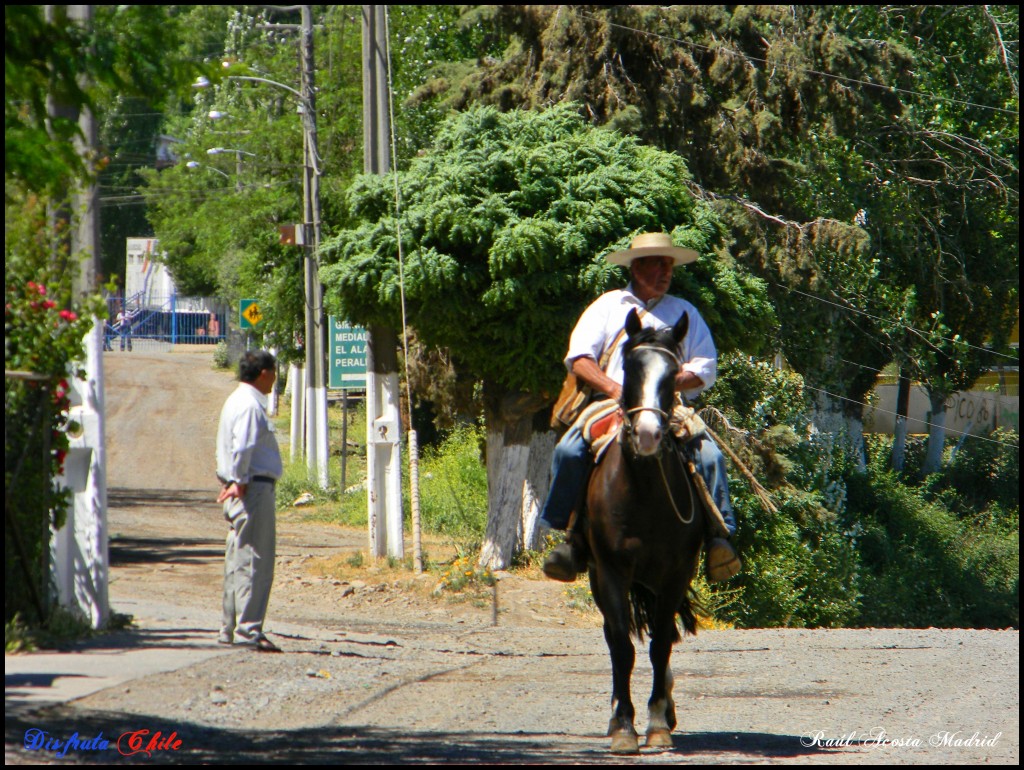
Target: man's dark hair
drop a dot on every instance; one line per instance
(252, 363)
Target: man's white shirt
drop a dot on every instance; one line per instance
(606, 316)
(246, 445)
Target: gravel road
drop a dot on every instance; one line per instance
(376, 670)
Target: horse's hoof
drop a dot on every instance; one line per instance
(658, 739)
(625, 743)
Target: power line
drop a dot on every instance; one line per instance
(894, 323)
(805, 70)
(979, 396)
(925, 422)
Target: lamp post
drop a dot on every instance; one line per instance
(315, 325)
(197, 164)
(238, 161)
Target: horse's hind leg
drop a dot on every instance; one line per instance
(661, 709)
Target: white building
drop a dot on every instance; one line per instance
(147, 283)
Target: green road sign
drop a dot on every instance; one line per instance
(249, 313)
(347, 355)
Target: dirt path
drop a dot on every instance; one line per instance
(376, 670)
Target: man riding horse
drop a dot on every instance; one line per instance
(597, 337)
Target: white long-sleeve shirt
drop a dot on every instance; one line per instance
(246, 445)
(606, 316)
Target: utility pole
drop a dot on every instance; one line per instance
(315, 335)
(80, 549)
(383, 421)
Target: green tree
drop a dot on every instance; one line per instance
(217, 216)
(503, 224)
(809, 128)
(944, 180)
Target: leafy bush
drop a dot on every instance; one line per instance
(799, 569)
(922, 566)
(982, 481)
(221, 356)
(453, 487)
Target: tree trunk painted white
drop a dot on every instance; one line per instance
(297, 383)
(899, 440)
(855, 439)
(899, 443)
(507, 465)
(936, 433)
(829, 417)
(535, 488)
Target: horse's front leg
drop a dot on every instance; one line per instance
(613, 602)
(661, 709)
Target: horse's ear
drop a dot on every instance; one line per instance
(681, 327)
(633, 324)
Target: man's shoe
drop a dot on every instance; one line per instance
(565, 562)
(265, 645)
(721, 559)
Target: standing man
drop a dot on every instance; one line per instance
(124, 327)
(248, 466)
(651, 259)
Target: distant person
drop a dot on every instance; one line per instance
(214, 327)
(108, 333)
(123, 324)
(248, 466)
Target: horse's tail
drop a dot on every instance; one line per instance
(642, 608)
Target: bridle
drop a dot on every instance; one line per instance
(663, 417)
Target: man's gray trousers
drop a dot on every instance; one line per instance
(248, 562)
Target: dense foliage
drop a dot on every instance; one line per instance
(504, 221)
(55, 67)
(863, 159)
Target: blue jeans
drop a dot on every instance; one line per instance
(572, 459)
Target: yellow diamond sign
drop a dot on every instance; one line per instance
(249, 313)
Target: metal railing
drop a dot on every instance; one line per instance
(159, 321)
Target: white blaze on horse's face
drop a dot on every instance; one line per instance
(648, 421)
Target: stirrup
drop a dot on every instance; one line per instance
(721, 559)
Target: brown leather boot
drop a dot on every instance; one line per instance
(721, 559)
(566, 561)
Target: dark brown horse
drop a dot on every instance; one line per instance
(645, 532)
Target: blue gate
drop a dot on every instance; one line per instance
(150, 321)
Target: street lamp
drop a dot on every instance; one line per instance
(315, 326)
(197, 164)
(238, 161)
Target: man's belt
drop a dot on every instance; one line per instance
(267, 479)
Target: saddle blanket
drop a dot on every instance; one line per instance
(599, 423)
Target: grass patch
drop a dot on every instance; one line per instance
(62, 629)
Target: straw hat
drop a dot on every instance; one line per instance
(653, 245)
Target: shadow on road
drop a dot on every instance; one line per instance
(354, 745)
(159, 550)
(123, 497)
